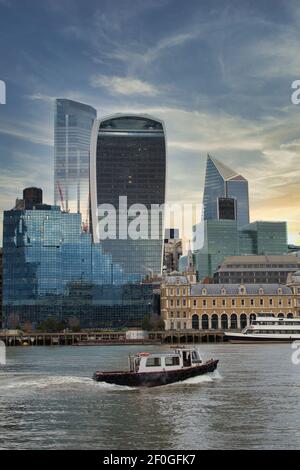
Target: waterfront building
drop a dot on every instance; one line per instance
(196, 306)
(255, 269)
(51, 268)
(128, 161)
(72, 132)
(225, 193)
(172, 250)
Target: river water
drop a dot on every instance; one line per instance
(49, 401)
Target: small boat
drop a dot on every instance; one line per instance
(153, 369)
(268, 329)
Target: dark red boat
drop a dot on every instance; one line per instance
(151, 370)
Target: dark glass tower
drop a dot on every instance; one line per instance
(128, 158)
(220, 183)
(72, 132)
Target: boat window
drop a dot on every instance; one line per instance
(172, 361)
(153, 362)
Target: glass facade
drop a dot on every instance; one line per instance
(72, 132)
(220, 241)
(130, 160)
(52, 268)
(222, 182)
(263, 238)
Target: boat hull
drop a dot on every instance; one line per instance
(252, 339)
(154, 379)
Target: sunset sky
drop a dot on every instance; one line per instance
(218, 73)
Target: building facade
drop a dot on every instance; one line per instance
(225, 193)
(128, 174)
(187, 305)
(254, 269)
(51, 268)
(72, 133)
(172, 250)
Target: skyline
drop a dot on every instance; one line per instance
(213, 77)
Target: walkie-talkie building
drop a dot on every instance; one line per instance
(128, 160)
(72, 132)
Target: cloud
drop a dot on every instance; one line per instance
(124, 85)
(33, 133)
(41, 97)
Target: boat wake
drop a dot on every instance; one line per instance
(17, 382)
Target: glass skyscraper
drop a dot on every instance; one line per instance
(51, 268)
(72, 132)
(222, 182)
(128, 159)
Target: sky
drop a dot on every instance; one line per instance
(218, 73)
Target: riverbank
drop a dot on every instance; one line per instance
(18, 338)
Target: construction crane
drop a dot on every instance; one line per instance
(61, 197)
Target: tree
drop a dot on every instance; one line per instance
(74, 324)
(51, 325)
(153, 322)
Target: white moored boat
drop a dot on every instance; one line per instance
(268, 329)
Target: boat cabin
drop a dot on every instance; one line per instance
(179, 358)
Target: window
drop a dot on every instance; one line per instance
(153, 362)
(184, 302)
(204, 303)
(243, 302)
(195, 303)
(271, 301)
(261, 302)
(252, 302)
(214, 302)
(172, 361)
(233, 302)
(224, 302)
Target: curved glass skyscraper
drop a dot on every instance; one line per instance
(72, 132)
(128, 160)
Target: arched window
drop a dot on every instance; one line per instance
(233, 321)
(252, 317)
(223, 291)
(261, 291)
(290, 315)
(224, 322)
(243, 319)
(205, 322)
(280, 315)
(214, 322)
(195, 322)
(204, 291)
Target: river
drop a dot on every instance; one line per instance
(49, 401)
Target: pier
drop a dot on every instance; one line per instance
(109, 338)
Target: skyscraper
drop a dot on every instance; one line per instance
(225, 193)
(72, 131)
(128, 159)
